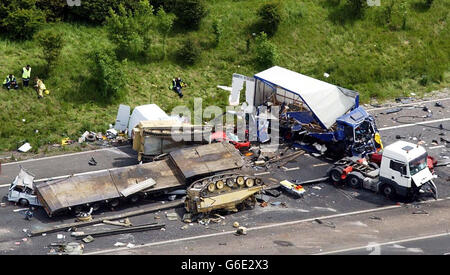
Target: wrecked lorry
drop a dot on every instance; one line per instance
(403, 171)
(21, 190)
(314, 115)
(181, 168)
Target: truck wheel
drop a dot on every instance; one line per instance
(114, 203)
(96, 206)
(24, 202)
(335, 174)
(354, 181)
(134, 198)
(388, 191)
(77, 209)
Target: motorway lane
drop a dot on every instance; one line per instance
(317, 202)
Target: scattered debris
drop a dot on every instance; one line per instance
(391, 111)
(119, 244)
(125, 223)
(276, 203)
(72, 248)
(172, 216)
(272, 192)
(241, 231)
(263, 204)
(24, 148)
(297, 190)
(184, 227)
(420, 212)
(76, 234)
(92, 162)
(235, 224)
(130, 245)
(375, 218)
(326, 223)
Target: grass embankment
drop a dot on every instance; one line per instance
(363, 55)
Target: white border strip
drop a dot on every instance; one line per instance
(386, 243)
(65, 155)
(413, 124)
(262, 227)
(408, 105)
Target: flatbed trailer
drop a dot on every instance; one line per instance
(131, 183)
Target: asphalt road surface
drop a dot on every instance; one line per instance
(275, 222)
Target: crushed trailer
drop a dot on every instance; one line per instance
(113, 186)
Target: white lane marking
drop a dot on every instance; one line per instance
(407, 105)
(435, 147)
(262, 173)
(77, 174)
(112, 149)
(20, 209)
(320, 164)
(290, 169)
(264, 227)
(386, 243)
(413, 124)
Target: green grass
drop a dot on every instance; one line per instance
(363, 55)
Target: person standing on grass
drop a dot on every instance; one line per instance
(26, 75)
(10, 82)
(40, 87)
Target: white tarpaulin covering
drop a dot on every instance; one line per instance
(325, 100)
(24, 179)
(237, 85)
(145, 112)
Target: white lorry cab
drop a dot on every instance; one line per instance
(21, 189)
(403, 171)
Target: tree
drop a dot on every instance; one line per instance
(266, 52)
(165, 23)
(19, 19)
(52, 43)
(357, 8)
(270, 17)
(109, 74)
(130, 31)
(189, 12)
(189, 52)
(217, 30)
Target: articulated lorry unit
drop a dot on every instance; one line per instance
(403, 172)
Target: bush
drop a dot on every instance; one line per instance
(356, 8)
(108, 74)
(270, 17)
(217, 30)
(189, 53)
(19, 19)
(55, 10)
(52, 43)
(165, 23)
(130, 31)
(96, 11)
(189, 13)
(266, 52)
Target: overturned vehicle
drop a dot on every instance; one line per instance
(314, 115)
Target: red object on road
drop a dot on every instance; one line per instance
(345, 172)
(233, 139)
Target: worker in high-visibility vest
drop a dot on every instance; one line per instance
(26, 75)
(40, 87)
(10, 82)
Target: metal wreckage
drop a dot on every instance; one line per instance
(312, 115)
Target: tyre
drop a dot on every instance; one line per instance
(96, 206)
(355, 181)
(388, 191)
(114, 203)
(335, 174)
(24, 202)
(134, 198)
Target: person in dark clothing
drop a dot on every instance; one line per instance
(10, 82)
(177, 84)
